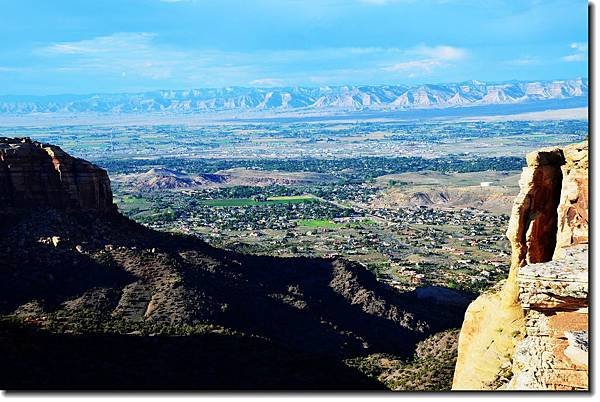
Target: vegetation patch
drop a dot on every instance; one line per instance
(318, 223)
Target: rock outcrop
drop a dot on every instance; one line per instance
(532, 333)
(553, 354)
(573, 208)
(33, 175)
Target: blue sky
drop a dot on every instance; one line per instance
(75, 46)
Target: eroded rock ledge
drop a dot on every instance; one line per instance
(532, 333)
(553, 354)
(33, 175)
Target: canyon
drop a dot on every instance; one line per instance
(80, 282)
(92, 288)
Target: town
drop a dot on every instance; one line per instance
(417, 204)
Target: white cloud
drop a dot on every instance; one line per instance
(428, 59)
(574, 57)
(124, 53)
(268, 82)
(448, 53)
(579, 46)
(413, 66)
(580, 54)
(4, 69)
(140, 55)
(118, 42)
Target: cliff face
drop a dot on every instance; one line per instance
(532, 333)
(41, 175)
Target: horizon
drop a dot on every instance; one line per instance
(72, 48)
(409, 86)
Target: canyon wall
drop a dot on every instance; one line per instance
(531, 332)
(36, 175)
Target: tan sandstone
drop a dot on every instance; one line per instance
(532, 333)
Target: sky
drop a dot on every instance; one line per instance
(100, 46)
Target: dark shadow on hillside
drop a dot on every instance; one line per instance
(52, 276)
(329, 313)
(314, 310)
(39, 361)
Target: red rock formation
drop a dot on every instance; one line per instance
(532, 228)
(532, 334)
(33, 174)
(573, 208)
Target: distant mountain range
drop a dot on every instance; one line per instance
(375, 97)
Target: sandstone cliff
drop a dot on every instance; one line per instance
(33, 174)
(532, 333)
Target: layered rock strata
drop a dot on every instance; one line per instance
(554, 353)
(532, 333)
(33, 175)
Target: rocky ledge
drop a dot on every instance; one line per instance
(33, 175)
(532, 333)
(556, 285)
(553, 354)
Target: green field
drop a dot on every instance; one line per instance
(130, 202)
(130, 199)
(318, 223)
(151, 217)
